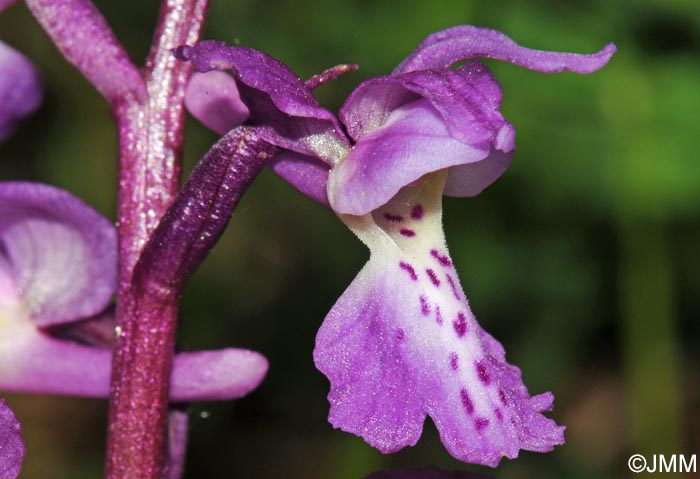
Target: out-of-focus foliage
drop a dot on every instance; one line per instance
(583, 259)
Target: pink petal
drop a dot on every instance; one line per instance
(31, 361)
(61, 252)
(213, 99)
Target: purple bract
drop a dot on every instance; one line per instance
(402, 342)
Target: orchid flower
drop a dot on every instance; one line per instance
(11, 445)
(402, 342)
(20, 87)
(58, 266)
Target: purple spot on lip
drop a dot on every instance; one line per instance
(433, 277)
(407, 232)
(417, 212)
(453, 286)
(483, 373)
(393, 218)
(424, 305)
(502, 397)
(466, 401)
(443, 259)
(499, 414)
(438, 316)
(480, 423)
(400, 334)
(408, 268)
(460, 324)
(454, 361)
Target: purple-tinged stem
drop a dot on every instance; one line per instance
(151, 137)
(84, 38)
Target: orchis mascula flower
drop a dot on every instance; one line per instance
(11, 444)
(401, 343)
(58, 266)
(20, 88)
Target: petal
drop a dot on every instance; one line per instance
(31, 361)
(11, 445)
(444, 48)
(216, 375)
(402, 343)
(61, 251)
(213, 99)
(20, 89)
(307, 174)
(413, 141)
(275, 96)
(467, 98)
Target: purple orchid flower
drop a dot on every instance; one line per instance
(11, 445)
(402, 342)
(58, 266)
(20, 87)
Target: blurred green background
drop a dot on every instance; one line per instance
(583, 259)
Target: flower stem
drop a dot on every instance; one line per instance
(150, 141)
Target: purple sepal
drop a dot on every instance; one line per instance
(272, 98)
(11, 445)
(275, 97)
(20, 89)
(412, 124)
(446, 47)
(61, 253)
(307, 174)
